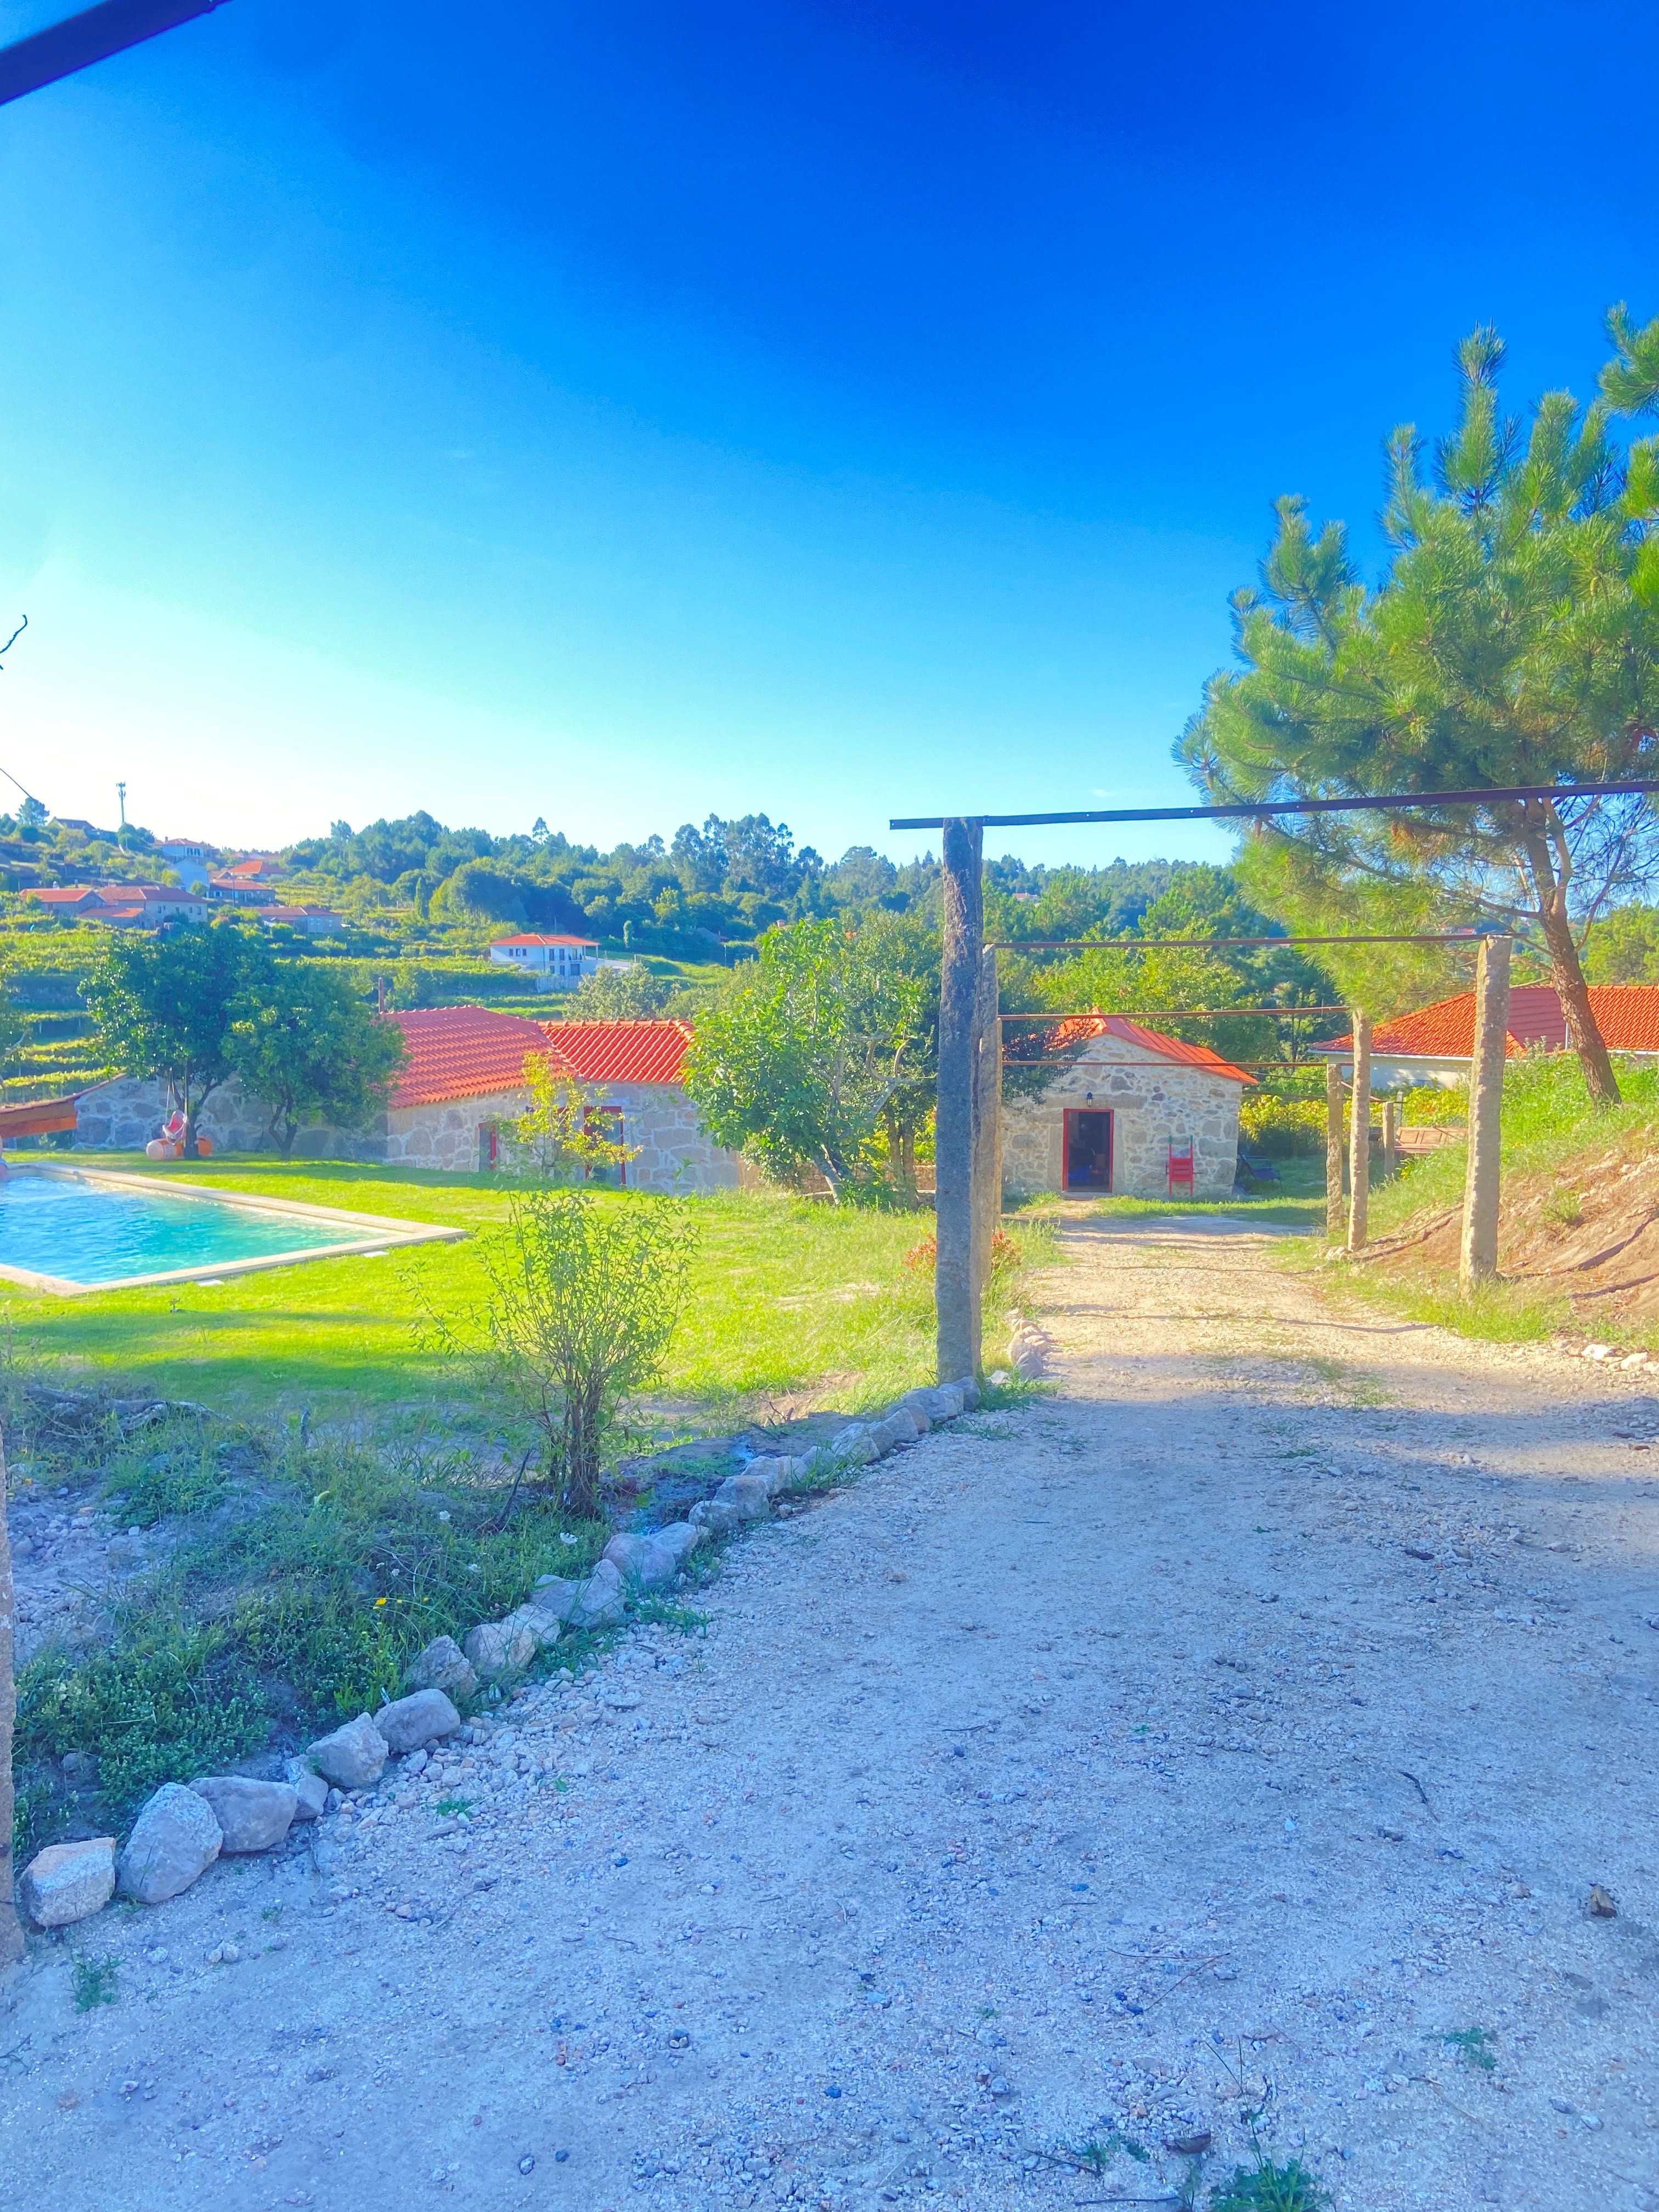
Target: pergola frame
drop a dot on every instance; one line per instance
(968, 1137)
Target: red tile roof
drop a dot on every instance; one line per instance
(1627, 1015)
(1076, 1027)
(463, 1052)
(533, 937)
(622, 1052)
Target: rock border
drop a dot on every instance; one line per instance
(182, 1830)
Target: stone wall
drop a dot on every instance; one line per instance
(673, 1153)
(671, 1149)
(1151, 1101)
(122, 1116)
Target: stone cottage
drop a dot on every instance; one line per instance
(463, 1077)
(1109, 1120)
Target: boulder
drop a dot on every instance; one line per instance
(352, 1758)
(853, 1446)
(411, 1722)
(67, 1882)
(914, 1403)
(899, 1428)
(175, 1839)
(943, 1401)
(751, 1494)
(774, 1474)
(501, 1647)
(554, 1594)
(599, 1604)
(252, 1816)
(968, 1390)
(309, 1789)
(443, 1666)
(650, 1562)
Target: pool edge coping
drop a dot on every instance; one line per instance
(388, 1232)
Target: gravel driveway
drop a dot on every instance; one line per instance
(1233, 1727)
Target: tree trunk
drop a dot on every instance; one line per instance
(1573, 991)
(11, 1936)
(1550, 879)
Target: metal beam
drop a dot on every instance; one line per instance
(92, 36)
(1248, 810)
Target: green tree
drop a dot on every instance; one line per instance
(309, 1050)
(557, 1138)
(619, 995)
(1514, 639)
(1622, 946)
(164, 1006)
(798, 1061)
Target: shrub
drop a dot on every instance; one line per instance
(1281, 1127)
(584, 1295)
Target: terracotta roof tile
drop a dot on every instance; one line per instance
(537, 937)
(463, 1052)
(1627, 1015)
(622, 1052)
(1076, 1027)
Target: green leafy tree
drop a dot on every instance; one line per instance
(1513, 638)
(309, 1050)
(1622, 946)
(619, 995)
(799, 1059)
(558, 1137)
(165, 1007)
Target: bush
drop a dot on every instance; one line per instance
(1281, 1127)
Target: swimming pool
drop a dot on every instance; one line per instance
(69, 1229)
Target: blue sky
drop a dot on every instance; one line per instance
(838, 411)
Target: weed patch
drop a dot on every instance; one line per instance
(95, 1983)
(1475, 2046)
(1267, 2186)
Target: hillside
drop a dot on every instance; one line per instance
(1578, 1245)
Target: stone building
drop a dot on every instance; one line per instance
(1110, 1120)
(462, 1081)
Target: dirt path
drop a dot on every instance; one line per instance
(1077, 1767)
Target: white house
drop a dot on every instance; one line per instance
(1131, 1103)
(1435, 1044)
(553, 961)
(188, 859)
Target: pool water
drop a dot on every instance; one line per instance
(82, 1230)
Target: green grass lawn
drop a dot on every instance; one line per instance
(786, 1297)
(1296, 1202)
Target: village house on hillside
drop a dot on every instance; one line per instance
(463, 1079)
(1132, 1114)
(549, 960)
(1436, 1043)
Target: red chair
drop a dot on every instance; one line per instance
(1181, 1165)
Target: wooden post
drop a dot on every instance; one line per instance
(1359, 1132)
(1478, 1258)
(11, 1936)
(988, 1123)
(1336, 1214)
(1390, 1138)
(956, 1293)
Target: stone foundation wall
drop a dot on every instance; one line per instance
(1151, 1103)
(122, 1116)
(674, 1153)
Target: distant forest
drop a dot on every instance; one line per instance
(724, 883)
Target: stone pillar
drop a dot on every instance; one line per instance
(1477, 1257)
(956, 1293)
(1390, 1138)
(1336, 1214)
(1359, 1133)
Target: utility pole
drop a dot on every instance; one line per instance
(955, 1292)
(1359, 1133)
(1477, 1260)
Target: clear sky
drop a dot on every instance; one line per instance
(611, 413)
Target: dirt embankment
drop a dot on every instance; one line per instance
(1585, 1228)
